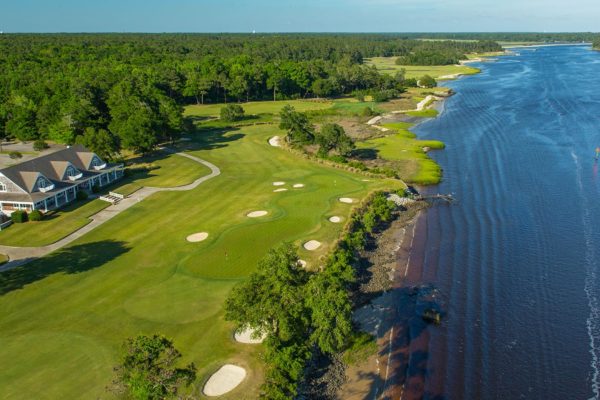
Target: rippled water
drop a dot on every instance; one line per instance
(517, 260)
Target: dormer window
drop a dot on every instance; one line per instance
(98, 164)
(44, 185)
(73, 174)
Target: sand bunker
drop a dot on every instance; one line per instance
(256, 214)
(302, 263)
(299, 185)
(346, 200)
(278, 183)
(280, 190)
(274, 141)
(245, 336)
(227, 378)
(197, 237)
(312, 245)
(335, 219)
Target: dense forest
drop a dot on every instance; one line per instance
(113, 91)
(597, 43)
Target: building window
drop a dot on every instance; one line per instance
(2, 187)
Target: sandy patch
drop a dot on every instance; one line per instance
(197, 237)
(424, 102)
(374, 120)
(280, 190)
(227, 378)
(335, 219)
(278, 183)
(312, 245)
(256, 214)
(346, 200)
(245, 336)
(302, 263)
(299, 185)
(275, 141)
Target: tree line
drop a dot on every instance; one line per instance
(113, 91)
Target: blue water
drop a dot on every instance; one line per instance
(517, 259)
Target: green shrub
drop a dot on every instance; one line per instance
(19, 216)
(95, 189)
(427, 81)
(36, 215)
(15, 155)
(232, 113)
(81, 195)
(368, 112)
(40, 145)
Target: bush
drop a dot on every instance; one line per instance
(81, 195)
(40, 145)
(232, 112)
(15, 155)
(95, 189)
(19, 216)
(368, 112)
(36, 215)
(427, 82)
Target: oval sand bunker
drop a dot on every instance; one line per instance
(335, 219)
(256, 214)
(299, 185)
(312, 245)
(346, 200)
(279, 183)
(245, 336)
(280, 190)
(274, 141)
(197, 237)
(227, 378)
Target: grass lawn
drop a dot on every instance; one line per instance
(55, 226)
(65, 316)
(257, 107)
(160, 170)
(388, 65)
(3, 259)
(406, 153)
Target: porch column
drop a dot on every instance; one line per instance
(45, 205)
(56, 200)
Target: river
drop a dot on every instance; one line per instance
(516, 261)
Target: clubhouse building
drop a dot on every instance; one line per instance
(51, 181)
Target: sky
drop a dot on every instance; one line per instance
(299, 16)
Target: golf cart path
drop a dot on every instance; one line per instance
(22, 255)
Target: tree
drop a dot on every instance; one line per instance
(21, 119)
(271, 301)
(147, 369)
(101, 142)
(232, 113)
(300, 130)
(333, 136)
(427, 81)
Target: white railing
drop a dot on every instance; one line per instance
(47, 188)
(99, 167)
(75, 177)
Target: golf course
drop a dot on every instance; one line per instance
(65, 316)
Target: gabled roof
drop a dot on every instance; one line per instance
(52, 166)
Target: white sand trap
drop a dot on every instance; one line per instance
(197, 237)
(274, 141)
(299, 185)
(280, 190)
(278, 183)
(302, 263)
(245, 336)
(312, 245)
(346, 200)
(227, 378)
(335, 219)
(256, 214)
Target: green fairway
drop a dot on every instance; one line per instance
(406, 153)
(257, 107)
(55, 226)
(388, 65)
(65, 316)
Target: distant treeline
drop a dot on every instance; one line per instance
(597, 43)
(508, 36)
(127, 90)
